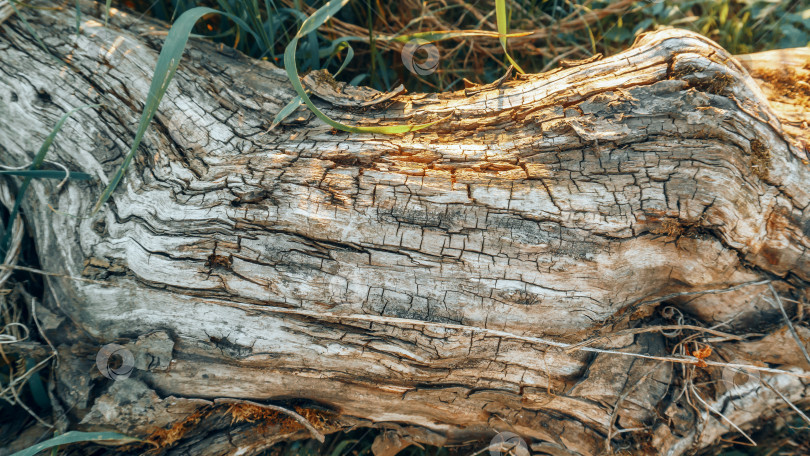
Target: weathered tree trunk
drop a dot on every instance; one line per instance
(426, 283)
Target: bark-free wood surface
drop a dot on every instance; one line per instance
(403, 281)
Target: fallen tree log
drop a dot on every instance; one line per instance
(436, 284)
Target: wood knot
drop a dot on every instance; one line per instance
(221, 261)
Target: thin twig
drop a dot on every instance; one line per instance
(497, 333)
(705, 404)
(39, 328)
(614, 414)
(475, 329)
(693, 293)
(635, 429)
(639, 302)
(787, 401)
(24, 377)
(10, 339)
(790, 324)
(67, 175)
(648, 329)
(497, 448)
(21, 380)
(15, 245)
(53, 274)
(679, 320)
(304, 422)
(27, 409)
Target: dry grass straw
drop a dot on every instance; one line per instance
(468, 56)
(689, 390)
(15, 245)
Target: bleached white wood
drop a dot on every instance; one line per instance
(560, 206)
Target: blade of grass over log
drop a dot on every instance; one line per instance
(371, 43)
(30, 29)
(38, 160)
(311, 24)
(503, 27)
(75, 437)
(348, 59)
(78, 19)
(165, 69)
(47, 174)
(107, 12)
(296, 102)
(286, 111)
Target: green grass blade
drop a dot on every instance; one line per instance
(38, 159)
(30, 29)
(107, 12)
(296, 102)
(46, 174)
(335, 47)
(75, 437)
(286, 111)
(503, 28)
(165, 69)
(326, 51)
(78, 18)
(372, 45)
(36, 386)
(311, 24)
(320, 16)
(342, 446)
(349, 57)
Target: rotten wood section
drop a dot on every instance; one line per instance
(425, 283)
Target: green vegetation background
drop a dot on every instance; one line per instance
(571, 29)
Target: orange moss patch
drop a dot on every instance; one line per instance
(320, 419)
(701, 354)
(264, 418)
(760, 159)
(165, 437)
(670, 227)
(251, 413)
(788, 83)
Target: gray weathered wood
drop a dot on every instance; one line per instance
(413, 282)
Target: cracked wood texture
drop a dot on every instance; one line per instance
(408, 282)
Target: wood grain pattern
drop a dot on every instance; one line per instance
(559, 206)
